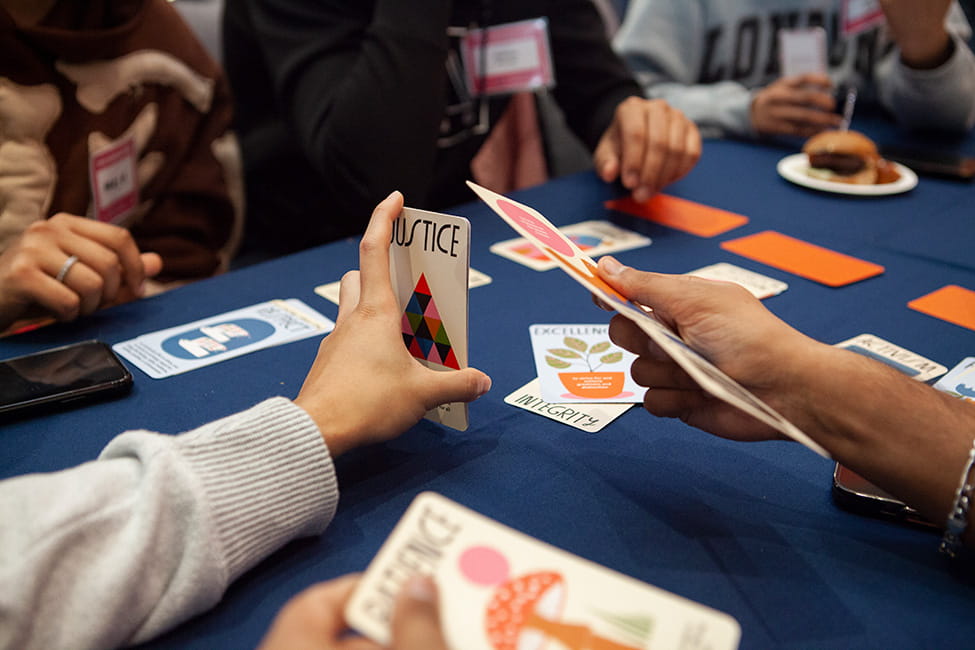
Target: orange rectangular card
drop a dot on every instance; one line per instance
(951, 303)
(695, 218)
(802, 258)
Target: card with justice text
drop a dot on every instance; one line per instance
(429, 259)
(501, 589)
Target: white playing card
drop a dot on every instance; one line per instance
(760, 286)
(330, 291)
(911, 364)
(211, 340)
(960, 382)
(802, 51)
(531, 224)
(577, 363)
(593, 237)
(585, 417)
(430, 269)
(501, 589)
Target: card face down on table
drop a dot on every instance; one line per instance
(530, 223)
(429, 261)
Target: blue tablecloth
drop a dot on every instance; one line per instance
(749, 529)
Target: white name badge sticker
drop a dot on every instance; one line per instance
(114, 184)
(860, 15)
(515, 57)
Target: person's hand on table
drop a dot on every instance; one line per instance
(802, 105)
(649, 145)
(728, 326)
(314, 619)
(364, 386)
(37, 277)
(918, 29)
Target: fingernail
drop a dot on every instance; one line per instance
(421, 588)
(483, 386)
(392, 194)
(641, 194)
(610, 265)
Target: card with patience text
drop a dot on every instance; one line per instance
(429, 259)
(530, 223)
(500, 589)
(578, 363)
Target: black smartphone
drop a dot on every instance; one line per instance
(856, 494)
(61, 376)
(932, 163)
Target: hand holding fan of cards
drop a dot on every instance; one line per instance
(529, 223)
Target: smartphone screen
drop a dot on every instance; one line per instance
(52, 377)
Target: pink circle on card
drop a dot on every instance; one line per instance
(484, 566)
(540, 230)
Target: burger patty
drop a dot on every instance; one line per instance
(841, 163)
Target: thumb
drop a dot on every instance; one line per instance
(151, 264)
(416, 620)
(464, 385)
(662, 293)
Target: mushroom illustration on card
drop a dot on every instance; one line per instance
(525, 612)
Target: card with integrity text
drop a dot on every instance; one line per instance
(593, 237)
(429, 260)
(960, 382)
(682, 214)
(760, 286)
(802, 258)
(330, 291)
(530, 223)
(949, 303)
(585, 417)
(501, 589)
(578, 363)
(204, 342)
(911, 364)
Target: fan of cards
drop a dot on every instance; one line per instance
(529, 223)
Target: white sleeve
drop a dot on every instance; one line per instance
(663, 43)
(120, 549)
(942, 98)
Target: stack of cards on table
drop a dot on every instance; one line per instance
(501, 589)
(204, 342)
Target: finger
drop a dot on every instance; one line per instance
(152, 264)
(54, 297)
(87, 284)
(416, 619)
(120, 242)
(818, 79)
(444, 387)
(632, 129)
(606, 158)
(658, 291)
(654, 152)
(348, 295)
(804, 117)
(97, 258)
(692, 149)
(661, 374)
(628, 335)
(675, 403)
(815, 99)
(374, 278)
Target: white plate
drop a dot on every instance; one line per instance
(794, 168)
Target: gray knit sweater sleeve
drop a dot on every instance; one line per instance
(118, 550)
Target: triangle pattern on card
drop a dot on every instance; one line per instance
(423, 330)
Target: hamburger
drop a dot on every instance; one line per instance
(844, 157)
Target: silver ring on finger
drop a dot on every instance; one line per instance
(68, 263)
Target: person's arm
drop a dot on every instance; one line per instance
(906, 437)
(118, 550)
(663, 43)
(362, 90)
(928, 80)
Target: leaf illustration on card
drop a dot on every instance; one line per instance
(565, 354)
(575, 344)
(612, 357)
(599, 347)
(557, 363)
